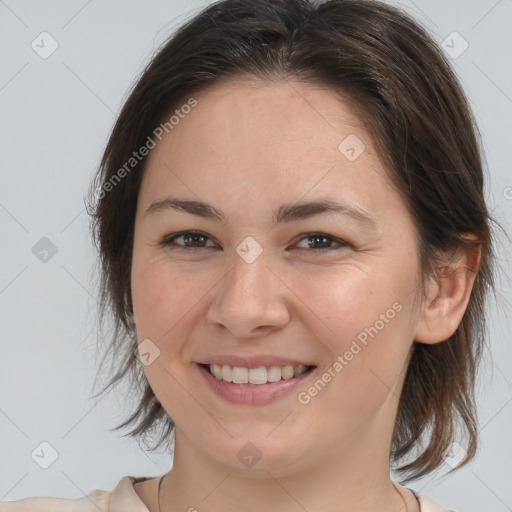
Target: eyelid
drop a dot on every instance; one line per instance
(341, 243)
(167, 241)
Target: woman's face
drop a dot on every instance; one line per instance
(273, 282)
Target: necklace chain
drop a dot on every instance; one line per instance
(403, 499)
(159, 487)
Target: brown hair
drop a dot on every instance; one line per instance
(420, 121)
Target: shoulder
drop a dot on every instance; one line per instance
(95, 501)
(117, 500)
(427, 505)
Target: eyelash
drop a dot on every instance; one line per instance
(169, 243)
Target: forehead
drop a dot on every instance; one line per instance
(275, 114)
(276, 140)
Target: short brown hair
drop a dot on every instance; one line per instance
(413, 105)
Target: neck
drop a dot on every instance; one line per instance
(337, 483)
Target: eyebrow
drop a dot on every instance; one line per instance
(285, 212)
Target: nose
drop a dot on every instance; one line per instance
(250, 301)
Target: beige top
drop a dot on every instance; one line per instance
(124, 498)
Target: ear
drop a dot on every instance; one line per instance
(448, 293)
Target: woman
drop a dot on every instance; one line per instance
(296, 250)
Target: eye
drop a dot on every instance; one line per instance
(324, 241)
(195, 238)
(192, 240)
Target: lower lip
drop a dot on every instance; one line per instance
(252, 394)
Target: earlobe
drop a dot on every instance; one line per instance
(448, 294)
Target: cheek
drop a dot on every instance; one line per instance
(340, 302)
(367, 351)
(164, 298)
(361, 315)
(162, 295)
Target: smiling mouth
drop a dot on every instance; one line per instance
(256, 376)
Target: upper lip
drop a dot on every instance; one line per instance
(252, 361)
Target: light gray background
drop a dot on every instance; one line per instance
(56, 114)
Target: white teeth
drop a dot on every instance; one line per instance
(274, 374)
(226, 373)
(258, 375)
(261, 375)
(216, 370)
(240, 375)
(287, 372)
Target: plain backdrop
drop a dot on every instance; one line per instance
(56, 112)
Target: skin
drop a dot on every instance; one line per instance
(246, 148)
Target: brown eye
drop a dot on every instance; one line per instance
(191, 240)
(322, 242)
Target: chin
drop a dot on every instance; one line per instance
(254, 452)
